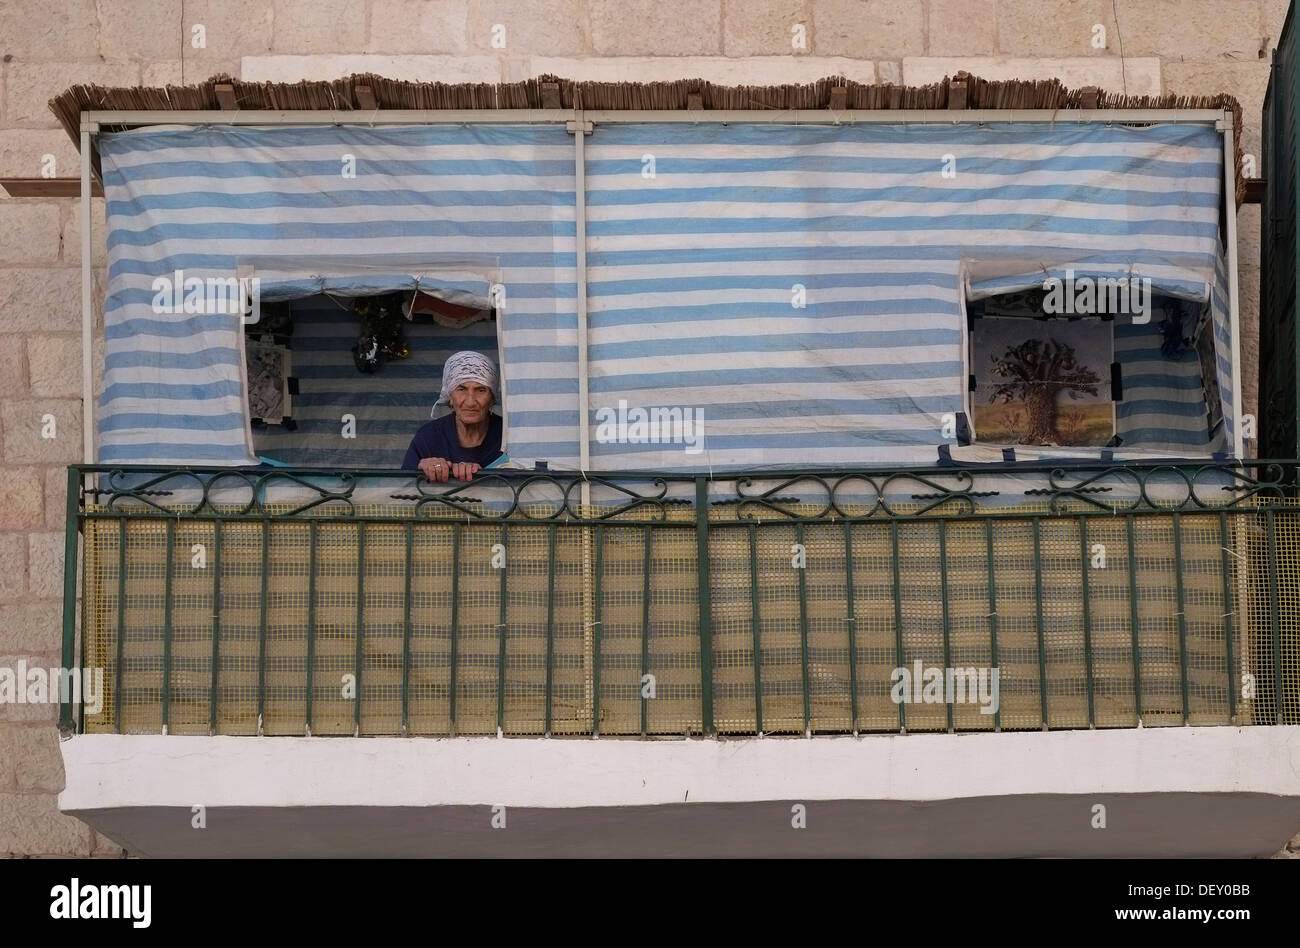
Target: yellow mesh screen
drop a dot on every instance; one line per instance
(1054, 604)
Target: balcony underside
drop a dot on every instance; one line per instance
(1155, 825)
(1227, 792)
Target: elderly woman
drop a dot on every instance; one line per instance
(459, 444)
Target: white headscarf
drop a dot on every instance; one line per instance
(466, 366)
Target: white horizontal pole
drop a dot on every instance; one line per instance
(620, 116)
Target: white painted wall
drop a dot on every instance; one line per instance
(110, 770)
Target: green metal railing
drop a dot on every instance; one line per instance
(297, 601)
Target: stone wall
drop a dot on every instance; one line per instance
(1140, 46)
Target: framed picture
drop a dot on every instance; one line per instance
(269, 398)
(1042, 382)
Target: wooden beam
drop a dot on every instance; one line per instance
(1254, 191)
(48, 187)
(365, 97)
(694, 102)
(1088, 96)
(957, 94)
(551, 95)
(226, 96)
(839, 98)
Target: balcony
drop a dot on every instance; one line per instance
(365, 603)
(296, 604)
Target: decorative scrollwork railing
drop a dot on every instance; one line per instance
(527, 602)
(950, 491)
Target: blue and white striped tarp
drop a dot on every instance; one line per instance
(1220, 310)
(1164, 402)
(799, 288)
(692, 272)
(207, 201)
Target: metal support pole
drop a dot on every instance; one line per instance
(142, 117)
(1234, 321)
(87, 307)
(705, 602)
(72, 524)
(70, 533)
(579, 129)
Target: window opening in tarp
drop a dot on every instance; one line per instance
(1142, 383)
(350, 403)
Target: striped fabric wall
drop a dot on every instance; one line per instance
(388, 406)
(1164, 404)
(702, 242)
(691, 272)
(1220, 311)
(207, 200)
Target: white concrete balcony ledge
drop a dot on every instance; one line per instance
(1170, 791)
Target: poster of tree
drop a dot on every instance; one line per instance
(1042, 382)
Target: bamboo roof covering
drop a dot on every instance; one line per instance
(365, 92)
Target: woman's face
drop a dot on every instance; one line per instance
(470, 402)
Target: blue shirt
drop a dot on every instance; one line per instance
(438, 439)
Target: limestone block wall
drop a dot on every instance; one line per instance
(1140, 46)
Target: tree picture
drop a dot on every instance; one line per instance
(1042, 384)
(1036, 372)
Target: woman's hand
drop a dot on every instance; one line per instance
(440, 469)
(463, 470)
(435, 469)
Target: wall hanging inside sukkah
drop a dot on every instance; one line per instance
(381, 337)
